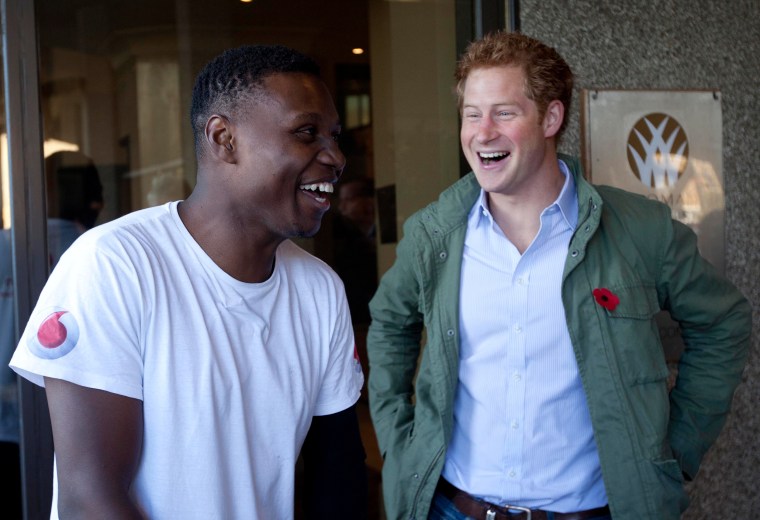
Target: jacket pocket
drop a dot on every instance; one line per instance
(636, 301)
(634, 335)
(633, 341)
(407, 471)
(666, 488)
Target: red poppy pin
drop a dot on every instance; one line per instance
(606, 298)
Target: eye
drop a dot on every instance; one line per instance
(308, 132)
(471, 115)
(336, 137)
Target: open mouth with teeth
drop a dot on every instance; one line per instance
(317, 190)
(492, 157)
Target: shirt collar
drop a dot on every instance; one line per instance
(567, 202)
(568, 197)
(480, 212)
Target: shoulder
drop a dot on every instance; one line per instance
(132, 241)
(616, 203)
(292, 254)
(645, 223)
(451, 208)
(296, 261)
(311, 284)
(145, 224)
(626, 203)
(619, 195)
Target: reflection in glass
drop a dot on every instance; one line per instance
(74, 199)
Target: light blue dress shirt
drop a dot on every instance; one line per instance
(522, 431)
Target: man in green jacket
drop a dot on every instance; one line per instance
(542, 389)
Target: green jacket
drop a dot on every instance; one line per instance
(647, 438)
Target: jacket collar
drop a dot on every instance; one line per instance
(588, 197)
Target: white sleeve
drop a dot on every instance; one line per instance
(85, 328)
(343, 380)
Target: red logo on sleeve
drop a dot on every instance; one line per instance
(57, 334)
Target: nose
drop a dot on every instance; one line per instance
(486, 130)
(332, 156)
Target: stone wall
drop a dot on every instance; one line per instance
(687, 44)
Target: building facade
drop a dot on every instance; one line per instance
(110, 82)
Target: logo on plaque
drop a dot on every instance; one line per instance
(658, 151)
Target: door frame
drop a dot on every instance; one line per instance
(29, 236)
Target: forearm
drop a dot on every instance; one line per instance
(335, 474)
(709, 371)
(96, 503)
(394, 342)
(715, 320)
(98, 441)
(393, 353)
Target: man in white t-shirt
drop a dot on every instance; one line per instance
(191, 351)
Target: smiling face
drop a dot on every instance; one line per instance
(504, 139)
(287, 155)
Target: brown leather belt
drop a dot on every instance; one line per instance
(480, 510)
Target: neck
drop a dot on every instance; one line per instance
(519, 215)
(238, 252)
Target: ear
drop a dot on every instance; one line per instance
(555, 114)
(220, 138)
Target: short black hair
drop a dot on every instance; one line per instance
(237, 74)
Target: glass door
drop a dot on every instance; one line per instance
(114, 81)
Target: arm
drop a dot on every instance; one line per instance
(335, 477)
(98, 439)
(393, 346)
(715, 321)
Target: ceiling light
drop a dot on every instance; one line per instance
(357, 50)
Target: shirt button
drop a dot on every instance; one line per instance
(518, 329)
(450, 332)
(513, 473)
(442, 255)
(517, 377)
(515, 425)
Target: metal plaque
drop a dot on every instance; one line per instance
(666, 145)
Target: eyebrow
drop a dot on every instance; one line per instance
(311, 117)
(495, 106)
(306, 116)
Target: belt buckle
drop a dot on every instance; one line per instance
(491, 514)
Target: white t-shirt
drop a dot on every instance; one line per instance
(230, 373)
